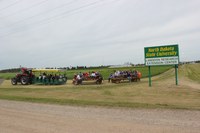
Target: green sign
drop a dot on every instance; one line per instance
(161, 55)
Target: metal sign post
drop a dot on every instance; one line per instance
(149, 76)
(176, 74)
(162, 55)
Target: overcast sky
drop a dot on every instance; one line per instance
(60, 33)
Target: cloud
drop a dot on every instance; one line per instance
(106, 32)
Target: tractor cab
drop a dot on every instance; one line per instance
(26, 71)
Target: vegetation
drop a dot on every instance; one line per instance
(7, 75)
(163, 94)
(192, 72)
(112, 95)
(104, 71)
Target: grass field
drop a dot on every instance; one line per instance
(163, 94)
(104, 71)
(192, 72)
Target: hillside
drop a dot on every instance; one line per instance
(191, 71)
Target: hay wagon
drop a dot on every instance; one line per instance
(82, 77)
(45, 76)
(127, 76)
(50, 77)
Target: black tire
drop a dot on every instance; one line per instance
(74, 82)
(24, 80)
(117, 81)
(97, 82)
(79, 82)
(14, 81)
(100, 81)
(65, 79)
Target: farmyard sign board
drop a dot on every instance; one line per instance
(161, 55)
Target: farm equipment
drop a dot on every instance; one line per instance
(50, 77)
(130, 76)
(25, 77)
(94, 76)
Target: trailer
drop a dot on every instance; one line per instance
(50, 76)
(128, 76)
(96, 77)
(40, 76)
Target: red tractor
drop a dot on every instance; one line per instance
(25, 77)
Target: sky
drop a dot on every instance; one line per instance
(62, 33)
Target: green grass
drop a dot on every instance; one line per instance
(194, 72)
(163, 93)
(121, 95)
(7, 75)
(105, 71)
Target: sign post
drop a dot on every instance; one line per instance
(162, 55)
(176, 74)
(149, 76)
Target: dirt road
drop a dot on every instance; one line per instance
(21, 117)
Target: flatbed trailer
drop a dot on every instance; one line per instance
(123, 77)
(98, 79)
(49, 77)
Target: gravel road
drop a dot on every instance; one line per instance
(22, 117)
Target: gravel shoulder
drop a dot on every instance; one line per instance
(1, 81)
(22, 117)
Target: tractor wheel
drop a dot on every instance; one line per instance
(99, 81)
(118, 81)
(74, 82)
(24, 80)
(14, 81)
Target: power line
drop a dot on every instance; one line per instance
(27, 8)
(61, 15)
(39, 14)
(68, 12)
(12, 4)
(46, 19)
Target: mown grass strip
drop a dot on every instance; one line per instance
(92, 103)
